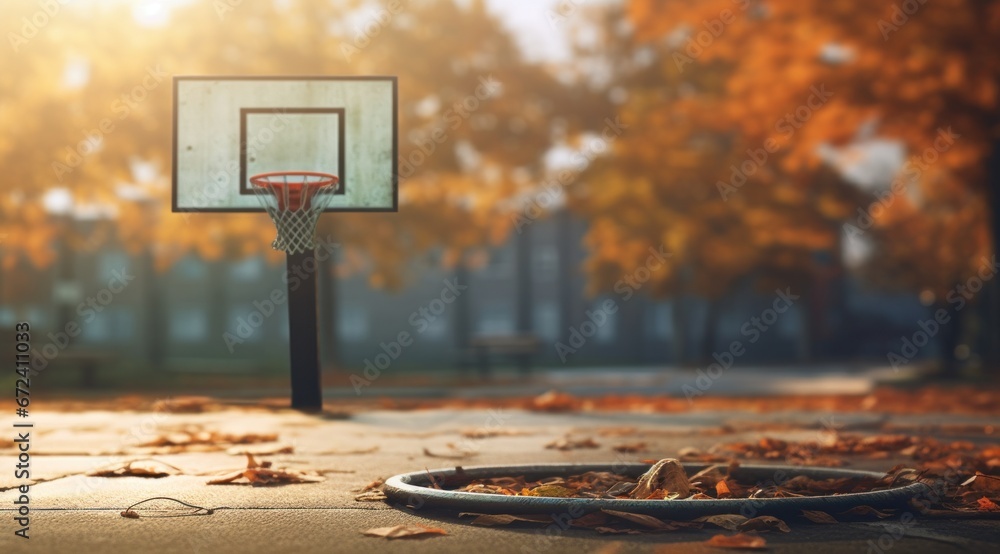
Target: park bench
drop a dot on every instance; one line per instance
(519, 347)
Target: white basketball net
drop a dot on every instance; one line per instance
(294, 200)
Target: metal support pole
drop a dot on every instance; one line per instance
(307, 392)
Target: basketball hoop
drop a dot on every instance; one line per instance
(294, 200)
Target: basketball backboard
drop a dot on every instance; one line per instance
(227, 129)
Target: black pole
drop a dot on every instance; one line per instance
(307, 393)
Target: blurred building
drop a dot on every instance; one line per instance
(179, 320)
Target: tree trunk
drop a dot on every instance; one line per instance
(991, 317)
(710, 329)
(951, 337)
(681, 320)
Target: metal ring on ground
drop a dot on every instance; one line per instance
(411, 489)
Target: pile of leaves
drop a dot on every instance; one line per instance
(952, 493)
(668, 480)
(263, 473)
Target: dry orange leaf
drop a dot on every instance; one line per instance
(984, 483)
(987, 505)
(258, 474)
(129, 469)
(493, 520)
(667, 474)
(764, 523)
(722, 489)
(630, 448)
(456, 456)
(817, 516)
(739, 540)
(404, 531)
(567, 443)
(729, 522)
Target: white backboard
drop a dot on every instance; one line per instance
(227, 129)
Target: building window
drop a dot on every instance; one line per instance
(354, 323)
(661, 320)
(190, 268)
(111, 264)
(546, 322)
(247, 270)
(546, 261)
(7, 317)
(790, 323)
(501, 264)
(108, 324)
(188, 325)
(244, 319)
(436, 329)
(496, 319)
(97, 329)
(608, 331)
(38, 317)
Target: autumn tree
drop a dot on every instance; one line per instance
(908, 72)
(684, 176)
(460, 72)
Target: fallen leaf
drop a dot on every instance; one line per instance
(739, 540)
(667, 474)
(591, 520)
(491, 433)
(370, 496)
(550, 491)
(375, 484)
(404, 531)
(613, 531)
(764, 523)
(817, 516)
(554, 401)
(729, 522)
(722, 489)
(983, 483)
(567, 443)
(458, 456)
(649, 522)
(152, 469)
(630, 448)
(987, 505)
(495, 520)
(262, 450)
(259, 474)
(370, 450)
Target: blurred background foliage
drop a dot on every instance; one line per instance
(643, 125)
